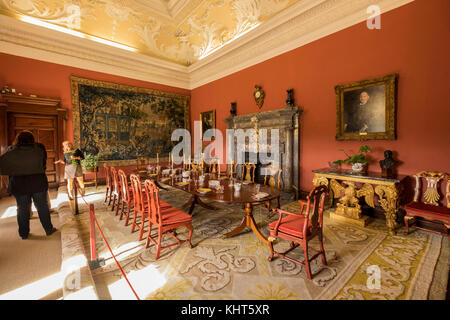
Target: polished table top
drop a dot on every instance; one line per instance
(192, 185)
(245, 195)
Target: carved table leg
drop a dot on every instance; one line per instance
(193, 201)
(247, 221)
(389, 201)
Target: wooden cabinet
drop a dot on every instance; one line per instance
(45, 119)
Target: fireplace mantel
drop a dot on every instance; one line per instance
(286, 120)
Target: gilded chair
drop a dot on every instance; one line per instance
(212, 167)
(108, 193)
(427, 206)
(141, 163)
(230, 171)
(165, 220)
(272, 178)
(126, 197)
(300, 228)
(248, 172)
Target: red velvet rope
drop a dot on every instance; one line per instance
(91, 207)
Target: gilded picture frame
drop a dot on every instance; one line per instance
(366, 110)
(208, 121)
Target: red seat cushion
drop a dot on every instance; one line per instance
(164, 204)
(292, 225)
(428, 211)
(175, 215)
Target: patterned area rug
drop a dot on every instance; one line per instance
(237, 268)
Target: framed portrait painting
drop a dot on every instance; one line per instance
(366, 110)
(208, 120)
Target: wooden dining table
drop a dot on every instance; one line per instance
(245, 197)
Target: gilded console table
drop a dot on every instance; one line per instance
(342, 184)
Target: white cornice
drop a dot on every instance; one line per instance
(305, 22)
(35, 42)
(301, 24)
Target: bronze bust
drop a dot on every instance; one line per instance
(387, 164)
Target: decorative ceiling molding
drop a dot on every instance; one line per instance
(305, 22)
(301, 23)
(35, 42)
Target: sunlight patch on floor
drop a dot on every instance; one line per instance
(87, 293)
(122, 252)
(9, 212)
(35, 290)
(144, 282)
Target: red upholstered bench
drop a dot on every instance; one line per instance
(430, 209)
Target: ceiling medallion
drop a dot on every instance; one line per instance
(259, 96)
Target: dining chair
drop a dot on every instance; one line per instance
(139, 206)
(166, 220)
(300, 228)
(116, 190)
(127, 196)
(108, 192)
(141, 163)
(273, 179)
(248, 172)
(231, 170)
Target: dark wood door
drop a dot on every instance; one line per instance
(44, 129)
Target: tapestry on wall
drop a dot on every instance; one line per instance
(123, 123)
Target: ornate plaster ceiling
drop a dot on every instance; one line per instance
(180, 31)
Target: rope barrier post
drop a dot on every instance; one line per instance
(92, 231)
(75, 196)
(95, 262)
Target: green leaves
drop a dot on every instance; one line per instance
(360, 157)
(90, 161)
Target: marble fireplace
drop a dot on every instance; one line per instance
(286, 120)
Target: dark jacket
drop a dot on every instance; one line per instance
(76, 153)
(25, 165)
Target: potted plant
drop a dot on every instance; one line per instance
(90, 162)
(358, 161)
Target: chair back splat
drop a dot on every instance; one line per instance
(315, 204)
(127, 197)
(152, 193)
(116, 190)
(108, 183)
(139, 205)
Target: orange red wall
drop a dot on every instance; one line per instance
(51, 80)
(413, 42)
